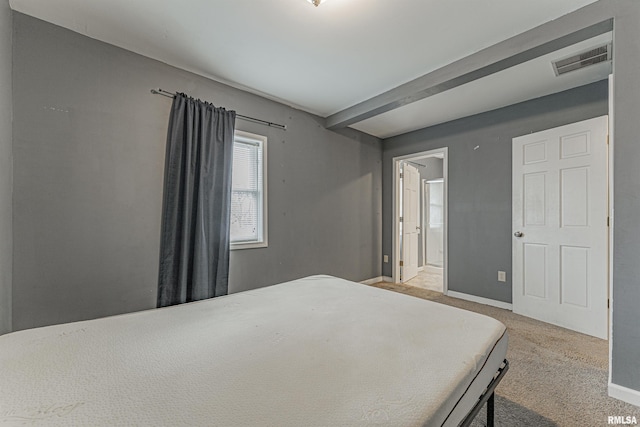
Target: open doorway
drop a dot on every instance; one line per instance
(420, 226)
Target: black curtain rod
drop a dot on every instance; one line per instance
(240, 116)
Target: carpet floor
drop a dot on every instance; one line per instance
(556, 377)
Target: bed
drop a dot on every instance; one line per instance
(318, 351)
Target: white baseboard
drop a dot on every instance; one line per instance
(625, 394)
(373, 280)
(377, 280)
(485, 301)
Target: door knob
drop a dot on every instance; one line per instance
(518, 234)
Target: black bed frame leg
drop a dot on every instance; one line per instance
(487, 397)
(490, 404)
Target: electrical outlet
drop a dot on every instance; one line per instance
(386, 258)
(502, 276)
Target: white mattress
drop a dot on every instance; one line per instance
(318, 351)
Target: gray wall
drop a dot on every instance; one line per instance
(5, 167)
(626, 247)
(433, 168)
(479, 182)
(89, 144)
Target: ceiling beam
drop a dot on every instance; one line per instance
(516, 50)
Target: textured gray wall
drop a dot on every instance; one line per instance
(626, 247)
(434, 168)
(479, 182)
(89, 144)
(5, 167)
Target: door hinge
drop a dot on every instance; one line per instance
(608, 303)
(401, 175)
(607, 139)
(401, 264)
(608, 222)
(400, 219)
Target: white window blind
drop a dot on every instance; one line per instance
(248, 198)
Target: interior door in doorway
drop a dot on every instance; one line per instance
(560, 254)
(410, 224)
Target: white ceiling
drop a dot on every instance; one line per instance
(323, 59)
(522, 82)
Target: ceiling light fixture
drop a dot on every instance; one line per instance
(316, 3)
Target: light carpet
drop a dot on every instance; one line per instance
(556, 377)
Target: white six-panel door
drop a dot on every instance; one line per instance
(410, 224)
(560, 252)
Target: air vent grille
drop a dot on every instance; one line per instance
(582, 60)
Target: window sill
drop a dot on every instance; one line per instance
(248, 245)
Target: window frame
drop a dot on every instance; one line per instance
(261, 141)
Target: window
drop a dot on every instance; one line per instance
(248, 191)
(436, 203)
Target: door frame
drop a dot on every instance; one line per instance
(395, 255)
(611, 225)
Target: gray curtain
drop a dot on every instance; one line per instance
(194, 245)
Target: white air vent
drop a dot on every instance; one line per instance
(583, 59)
